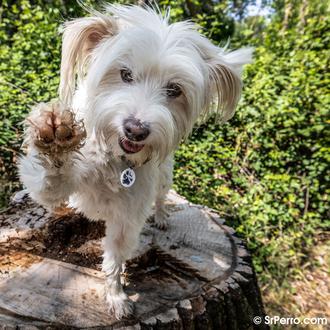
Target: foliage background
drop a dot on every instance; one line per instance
(266, 171)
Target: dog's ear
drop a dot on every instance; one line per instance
(80, 37)
(225, 70)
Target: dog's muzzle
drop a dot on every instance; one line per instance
(135, 131)
(129, 147)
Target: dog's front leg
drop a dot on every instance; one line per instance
(164, 185)
(50, 170)
(120, 240)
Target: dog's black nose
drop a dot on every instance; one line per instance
(135, 130)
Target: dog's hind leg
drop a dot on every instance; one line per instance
(164, 185)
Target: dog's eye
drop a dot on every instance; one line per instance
(126, 75)
(173, 90)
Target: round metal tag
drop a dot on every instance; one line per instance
(127, 178)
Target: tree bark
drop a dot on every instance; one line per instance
(195, 275)
(287, 15)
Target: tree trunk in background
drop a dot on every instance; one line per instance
(302, 15)
(287, 14)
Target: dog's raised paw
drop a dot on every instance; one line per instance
(53, 129)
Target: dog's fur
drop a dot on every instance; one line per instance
(59, 168)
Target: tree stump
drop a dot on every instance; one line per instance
(195, 275)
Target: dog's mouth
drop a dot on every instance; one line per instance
(130, 147)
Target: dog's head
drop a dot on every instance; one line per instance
(146, 81)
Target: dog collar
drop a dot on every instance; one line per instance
(127, 177)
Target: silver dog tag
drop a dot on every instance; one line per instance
(127, 177)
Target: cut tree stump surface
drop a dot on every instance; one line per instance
(195, 275)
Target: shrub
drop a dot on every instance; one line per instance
(29, 62)
(267, 169)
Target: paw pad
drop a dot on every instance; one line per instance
(55, 130)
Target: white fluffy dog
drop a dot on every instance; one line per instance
(132, 87)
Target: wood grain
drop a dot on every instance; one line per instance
(195, 275)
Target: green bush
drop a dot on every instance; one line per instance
(29, 71)
(267, 170)
(29, 62)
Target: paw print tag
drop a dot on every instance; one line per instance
(127, 178)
